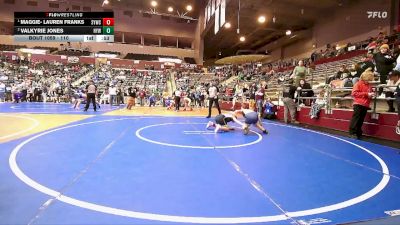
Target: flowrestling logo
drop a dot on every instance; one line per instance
(377, 14)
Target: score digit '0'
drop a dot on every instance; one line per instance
(108, 21)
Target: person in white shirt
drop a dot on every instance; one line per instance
(238, 95)
(112, 91)
(104, 98)
(213, 97)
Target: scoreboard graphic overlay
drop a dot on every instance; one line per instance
(64, 26)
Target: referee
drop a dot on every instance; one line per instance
(177, 94)
(91, 92)
(212, 97)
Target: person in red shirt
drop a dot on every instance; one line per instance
(260, 93)
(362, 93)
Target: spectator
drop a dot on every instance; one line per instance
(313, 56)
(260, 93)
(269, 110)
(362, 93)
(319, 103)
(2, 92)
(252, 94)
(393, 82)
(341, 73)
(142, 95)
(299, 72)
(238, 95)
(305, 90)
(152, 100)
(366, 62)
(397, 63)
(112, 91)
(396, 50)
(384, 64)
(372, 45)
(120, 96)
(289, 102)
(104, 98)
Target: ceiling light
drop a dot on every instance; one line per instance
(242, 38)
(154, 3)
(274, 19)
(170, 9)
(288, 32)
(189, 8)
(261, 19)
(105, 2)
(227, 25)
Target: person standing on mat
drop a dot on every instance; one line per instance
(112, 91)
(362, 93)
(91, 92)
(132, 98)
(212, 97)
(177, 94)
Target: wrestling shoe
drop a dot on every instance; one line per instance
(246, 130)
(209, 124)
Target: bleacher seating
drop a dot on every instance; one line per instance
(144, 79)
(189, 60)
(10, 47)
(108, 52)
(146, 57)
(73, 53)
(51, 49)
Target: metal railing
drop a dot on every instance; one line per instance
(329, 98)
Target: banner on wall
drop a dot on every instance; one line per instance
(169, 64)
(188, 66)
(73, 59)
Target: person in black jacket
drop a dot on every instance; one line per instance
(384, 64)
(365, 63)
(289, 103)
(91, 92)
(342, 70)
(132, 98)
(305, 91)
